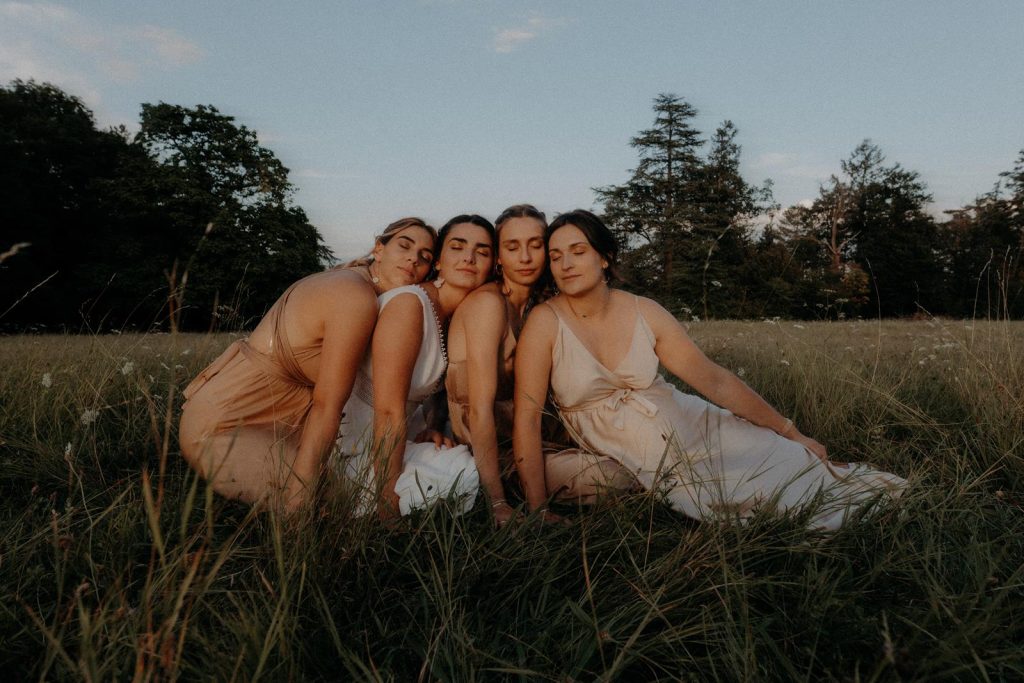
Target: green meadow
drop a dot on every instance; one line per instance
(116, 563)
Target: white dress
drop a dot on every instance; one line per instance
(428, 473)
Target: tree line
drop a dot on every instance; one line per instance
(693, 235)
(190, 223)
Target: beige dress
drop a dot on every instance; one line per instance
(570, 473)
(243, 415)
(708, 463)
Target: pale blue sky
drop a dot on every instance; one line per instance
(437, 107)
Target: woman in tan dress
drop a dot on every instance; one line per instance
(481, 354)
(598, 349)
(259, 422)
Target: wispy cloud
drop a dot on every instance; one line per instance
(50, 42)
(512, 38)
(792, 165)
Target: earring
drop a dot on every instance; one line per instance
(373, 278)
(439, 282)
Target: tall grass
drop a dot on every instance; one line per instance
(116, 563)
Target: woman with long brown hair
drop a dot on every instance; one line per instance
(598, 350)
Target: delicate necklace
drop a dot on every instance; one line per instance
(604, 305)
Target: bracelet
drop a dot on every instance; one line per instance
(498, 503)
(787, 427)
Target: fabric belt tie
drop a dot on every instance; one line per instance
(614, 402)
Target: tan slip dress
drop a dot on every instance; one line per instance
(571, 474)
(243, 415)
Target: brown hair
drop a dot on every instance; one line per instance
(597, 233)
(544, 287)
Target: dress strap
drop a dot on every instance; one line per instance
(282, 348)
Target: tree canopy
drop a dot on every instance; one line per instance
(114, 223)
(706, 242)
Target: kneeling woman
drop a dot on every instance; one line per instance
(599, 349)
(405, 366)
(259, 422)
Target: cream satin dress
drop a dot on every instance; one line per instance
(708, 463)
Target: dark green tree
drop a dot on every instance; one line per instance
(683, 219)
(984, 247)
(58, 174)
(114, 224)
(881, 246)
(240, 240)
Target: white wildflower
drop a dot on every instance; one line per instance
(695, 318)
(784, 361)
(716, 283)
(186, 352)
(798, 326)
(89, 416)
(47, 380)
(740, 372)
(127, 368)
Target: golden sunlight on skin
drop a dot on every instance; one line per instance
(521, 250)
(405, 259)
(466, 257)
(576, 266)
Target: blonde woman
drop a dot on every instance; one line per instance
(259, 422)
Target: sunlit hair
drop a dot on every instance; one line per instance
(597, 233)
(544, 287)
(473, 219)
(389, 233)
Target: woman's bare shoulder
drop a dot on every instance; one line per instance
(659, 319)
(332, 291)
(542, 321)
(484, 300)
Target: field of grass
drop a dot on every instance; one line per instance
(115, 563)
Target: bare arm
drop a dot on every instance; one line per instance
(351, 312)
(483, 320)
(396, 345)
(533, 374)
(682, 358)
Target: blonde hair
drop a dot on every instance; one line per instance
(389, 232)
